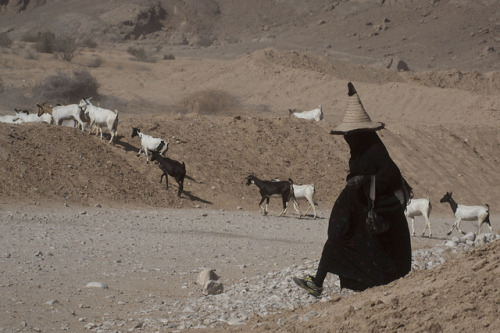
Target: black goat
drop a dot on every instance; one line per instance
(171, 167)
(267, 188)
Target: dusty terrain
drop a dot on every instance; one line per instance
(97, 211)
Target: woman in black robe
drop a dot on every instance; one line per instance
(360, 258)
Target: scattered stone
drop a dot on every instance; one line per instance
(402, 66)
(101, 285)
(213, 288)
(489, 49)
(205, 276)
(471, 236)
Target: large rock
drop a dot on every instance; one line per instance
(213, 287)
(205, 276)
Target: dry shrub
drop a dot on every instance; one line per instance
(64, 88)
(88, 42)
(29, 37)
(140, 54)
(5, 41)
(45, 42)
(66, 47)
(31, 56)
(208, 102)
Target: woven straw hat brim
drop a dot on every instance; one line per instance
(344, 128)
(356, 118)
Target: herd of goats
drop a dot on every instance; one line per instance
(86, 115)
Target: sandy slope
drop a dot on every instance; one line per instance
(225, 110)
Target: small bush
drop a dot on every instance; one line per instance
(89, 43)
(5, 41)
(45, 42)
(31, 56)
(168, 57)
(64, 88)
(208, 102)
(66, 48)
(29, 37)
(140, 54)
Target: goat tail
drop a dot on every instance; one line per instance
(115, 123)
(487, 219)
(290, 180)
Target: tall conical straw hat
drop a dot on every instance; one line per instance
(355, 117)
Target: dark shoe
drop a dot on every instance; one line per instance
(308, 284)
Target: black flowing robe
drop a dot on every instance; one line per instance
(362, 259)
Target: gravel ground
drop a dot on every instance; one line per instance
(111, 269)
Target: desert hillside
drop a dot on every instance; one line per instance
(236, 123)
(216, 79)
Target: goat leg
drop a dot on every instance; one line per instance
(285, 204)
(297, 209)
(264, 210)
(427, 224)
(180, 182)
(166, 179)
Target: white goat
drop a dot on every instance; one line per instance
(9, 119)
(316, 114)
(149, 143)
(100, 117)
(12, 119)
(467, 213)
(26, 117)
(62, 112)
(306, 192)
(419, 207)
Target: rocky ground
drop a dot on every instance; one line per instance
(110, 270)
